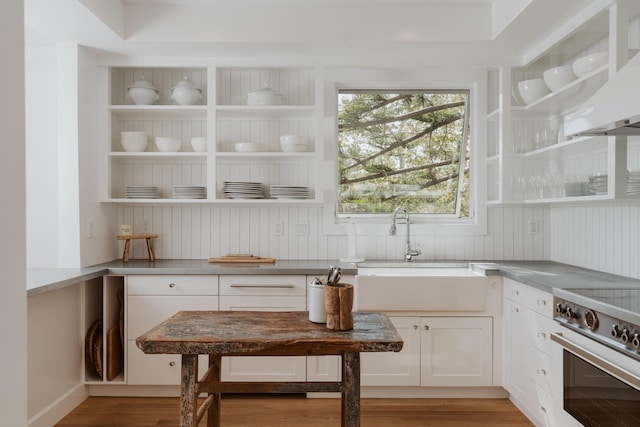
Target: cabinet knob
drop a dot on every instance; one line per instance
(542, 335)
(172, 285)
(515, 292)
(426, 327)
(543, 409)
(542, 303)
(542, 372)
(415, 326)
(172, 363)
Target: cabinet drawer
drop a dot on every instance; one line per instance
(541, 302)
(263, 303)
(172, 285)
(541, 328)
(144, 312)
(516, 291)
(542, 373)
(263, 285)
(156, 369)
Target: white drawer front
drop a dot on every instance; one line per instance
(172, 285)
(156, 369)
(515, 291)
(541, 302)
(263, 285)
(542, 370)
(263, 303)
(542, 328)
(145, 312)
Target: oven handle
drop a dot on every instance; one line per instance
(599, 362)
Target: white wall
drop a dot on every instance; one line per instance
(200, 232)
(13, 303)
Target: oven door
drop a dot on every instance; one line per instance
(600, 386)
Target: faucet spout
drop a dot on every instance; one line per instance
(408, 252)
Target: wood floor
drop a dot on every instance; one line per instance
(277, 411)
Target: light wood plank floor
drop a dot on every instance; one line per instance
(277, 411)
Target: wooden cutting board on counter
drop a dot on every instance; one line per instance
(242, 258)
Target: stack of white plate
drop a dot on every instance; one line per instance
(288, 192)
(189, 192)
(141, 192)
(598, 183)
(633, 182)
(242, 190)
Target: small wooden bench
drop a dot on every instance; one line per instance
(127, 245)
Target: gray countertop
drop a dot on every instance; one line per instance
(544, 275)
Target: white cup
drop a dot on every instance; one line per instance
(199, 144)
(317, 312)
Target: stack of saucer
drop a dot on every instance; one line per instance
(242, 190)
(141, 192)
(633, 182)
(189, 192)
(288, 192)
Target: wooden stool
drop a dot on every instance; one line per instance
(127, 245)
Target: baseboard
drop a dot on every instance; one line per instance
(434, 392)
(58, 409)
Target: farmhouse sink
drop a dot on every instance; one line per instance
(428, 286)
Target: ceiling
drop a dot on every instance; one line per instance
(327, 32)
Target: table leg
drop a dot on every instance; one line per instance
(188, 397)
(213, 415)
(351, 389)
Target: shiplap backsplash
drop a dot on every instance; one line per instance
(200, 232)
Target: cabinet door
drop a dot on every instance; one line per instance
(456, 351)
(264, 368)
(395, 369)
(518, 380)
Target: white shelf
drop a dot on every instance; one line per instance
(154, 155)
(582, 143)
(265, 111)
(265, 155)
(159, 111)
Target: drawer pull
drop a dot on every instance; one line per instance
(172, 363)
(247, 285)
(542, 303)
(542, 372)
(172, 285)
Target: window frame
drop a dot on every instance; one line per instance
(423, 79)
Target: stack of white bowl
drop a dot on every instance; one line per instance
(293, 143)
(133, 141)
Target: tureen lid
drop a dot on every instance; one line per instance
(143, 83)
(266, 88)
(186, 83)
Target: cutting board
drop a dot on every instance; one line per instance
(115, 355)
(242, 258)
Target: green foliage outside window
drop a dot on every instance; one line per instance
(403, 148)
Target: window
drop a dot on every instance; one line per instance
(405, 148)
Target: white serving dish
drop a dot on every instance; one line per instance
(168, 144)
(133, 141)
(557, 77)
(265, 96)
(251, 147)
(532, 90)
(186, 93)
(141, 92)
(293, 148)
(199, 144)
(588, 63)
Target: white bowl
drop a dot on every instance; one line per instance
(587, 64)
(251, 147)
(199, 144)
(557, 77)
(531, 90)
(168, 144)
(133, 141)
(292, 148)
(291, 139)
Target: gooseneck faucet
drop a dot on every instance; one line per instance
(408, 252)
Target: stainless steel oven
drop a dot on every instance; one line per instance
(600, 356)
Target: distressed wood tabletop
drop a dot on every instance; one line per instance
(266, 333)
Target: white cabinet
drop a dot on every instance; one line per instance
(225, 119)
(437, 352)
(529, 371)
(530, 160)
(263, 293)
(152, 299)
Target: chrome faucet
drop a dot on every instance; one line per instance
(408, 252)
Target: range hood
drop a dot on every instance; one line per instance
(614, 109)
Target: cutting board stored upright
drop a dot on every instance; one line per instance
(242, 258)
(115, 353)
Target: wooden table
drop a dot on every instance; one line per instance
(243, 333)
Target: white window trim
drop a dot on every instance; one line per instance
(474, 81)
